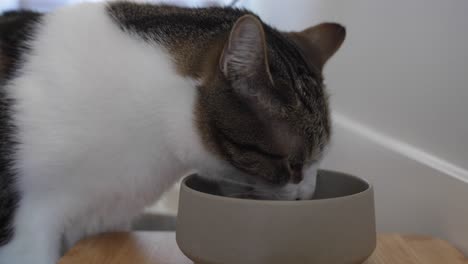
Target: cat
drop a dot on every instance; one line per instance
(103, 106)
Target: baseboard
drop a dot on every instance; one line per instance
(416, 192)
(402, 148)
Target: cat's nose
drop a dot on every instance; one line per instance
(297, 176)
(295, 170)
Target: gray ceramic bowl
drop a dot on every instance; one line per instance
(336, 227)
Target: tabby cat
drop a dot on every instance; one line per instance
(103, 106)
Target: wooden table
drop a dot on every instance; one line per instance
(161, 248)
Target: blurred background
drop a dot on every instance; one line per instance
(399, 99)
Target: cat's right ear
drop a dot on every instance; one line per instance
(320, 42)
(244, 54)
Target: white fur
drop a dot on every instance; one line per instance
(105, 126)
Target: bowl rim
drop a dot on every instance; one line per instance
(186, 188)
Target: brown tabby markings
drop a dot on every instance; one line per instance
(263, 107)
(3, 64)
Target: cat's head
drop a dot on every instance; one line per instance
(264, 108)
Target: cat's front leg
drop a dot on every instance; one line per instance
(37, 233)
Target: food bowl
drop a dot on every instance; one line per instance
(336, 227)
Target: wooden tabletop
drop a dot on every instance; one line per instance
(161, 248)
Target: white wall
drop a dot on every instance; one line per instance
(8, 5)
(399, 93)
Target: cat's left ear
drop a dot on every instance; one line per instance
(244, 54)
(319, 42)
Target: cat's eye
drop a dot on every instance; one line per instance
(262, 152)
(252, 148)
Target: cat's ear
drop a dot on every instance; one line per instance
(244, 54)
(320, 42)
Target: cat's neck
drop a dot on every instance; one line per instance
(194, 37)
(192, 45)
